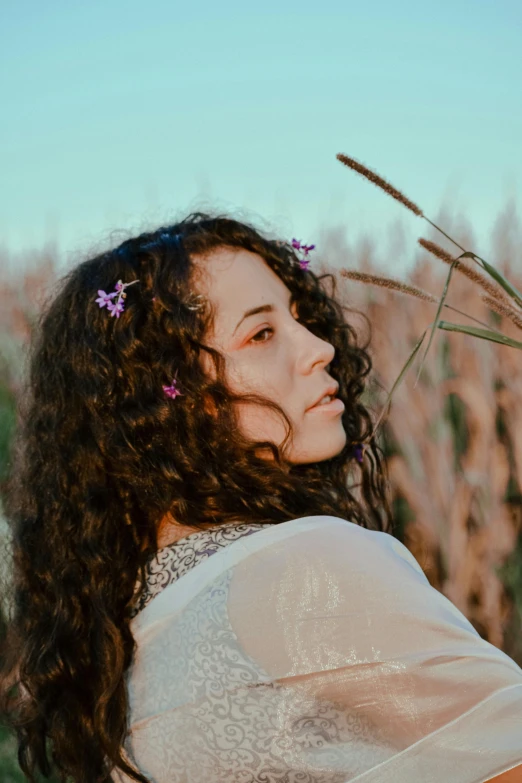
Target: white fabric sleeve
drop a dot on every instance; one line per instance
(347, 616)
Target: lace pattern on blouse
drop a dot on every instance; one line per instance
(174, 560)
(201, 709)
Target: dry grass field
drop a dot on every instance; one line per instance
(453, 443)
(454, 458)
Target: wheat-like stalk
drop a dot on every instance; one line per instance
(494, 291)
(390, 190)
(497, 288)
(380, 182)
(503, 309)
(403, 288)
(497, 276)
(388, 282)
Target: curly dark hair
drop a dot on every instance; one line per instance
(101, 455)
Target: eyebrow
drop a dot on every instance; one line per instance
(268, 308)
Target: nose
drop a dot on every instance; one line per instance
(314, 351)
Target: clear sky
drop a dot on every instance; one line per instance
(119, 114)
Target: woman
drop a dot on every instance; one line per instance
(206, 588)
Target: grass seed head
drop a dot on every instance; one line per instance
(380, 182)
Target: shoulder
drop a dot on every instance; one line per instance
(324, 562)
(331, 543)
(340, 590)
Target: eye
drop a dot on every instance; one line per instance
(266, 329)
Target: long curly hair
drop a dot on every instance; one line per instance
(101, 455)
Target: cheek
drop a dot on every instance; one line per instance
(244, 377)
(258, 423)
(247, 373)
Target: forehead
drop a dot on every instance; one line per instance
(235, 279)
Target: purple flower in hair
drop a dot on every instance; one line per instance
(104, 299)
(358, 452)
(115, 308)
(305, 249)
(172, 391)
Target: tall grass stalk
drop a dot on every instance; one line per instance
(497, 291)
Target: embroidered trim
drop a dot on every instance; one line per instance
(174, 560)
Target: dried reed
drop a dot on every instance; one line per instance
(388, 282)
(493, 290)
(503, 309)
(496, 291)
(390, 190)
(403, 288)
(513, 292)
(380, 182)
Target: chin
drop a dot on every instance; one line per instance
(330, 446)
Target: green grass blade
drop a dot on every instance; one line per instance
(398, 380)
(436, 320)
(483, 334)
(508, 287)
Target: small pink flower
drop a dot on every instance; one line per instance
(104, 299)
(172, 391)
(115, 308)
(305, 249)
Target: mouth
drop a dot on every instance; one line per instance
(334, 405)
(327, 397)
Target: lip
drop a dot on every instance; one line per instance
(331, 390)
(334, 406)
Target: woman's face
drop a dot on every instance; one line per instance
(270, 353)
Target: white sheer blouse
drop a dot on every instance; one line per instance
(312, 651)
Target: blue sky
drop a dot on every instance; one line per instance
(124, 115)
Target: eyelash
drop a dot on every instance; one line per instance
(260, 342)
(266, 329)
